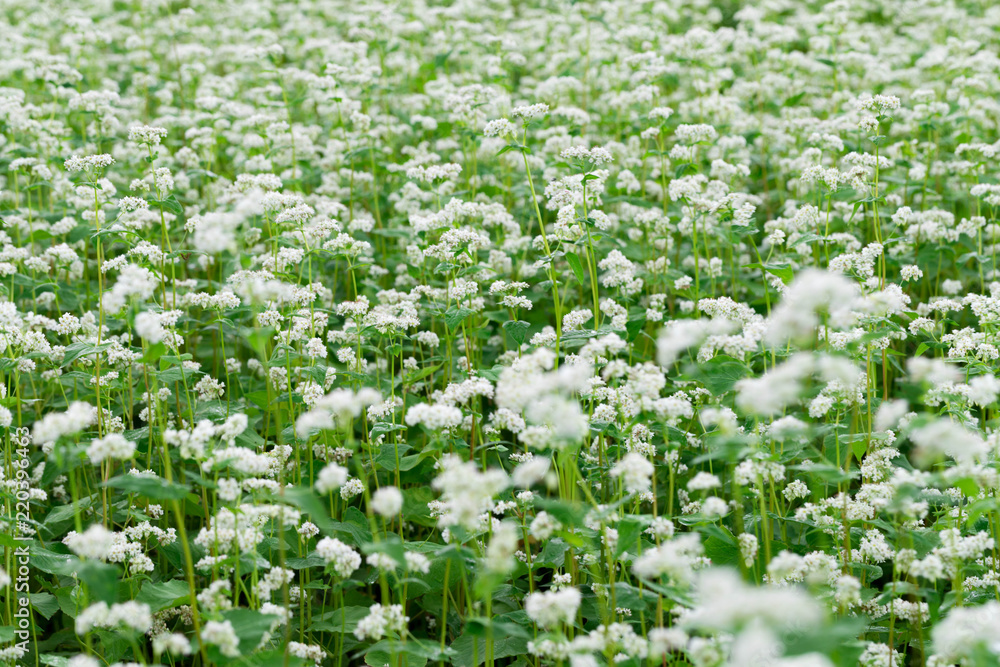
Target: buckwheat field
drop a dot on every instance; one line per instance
(516, 333)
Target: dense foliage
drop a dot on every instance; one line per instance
(514, 332)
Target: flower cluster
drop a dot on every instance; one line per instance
(500, 333)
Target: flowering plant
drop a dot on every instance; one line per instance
(499, 333)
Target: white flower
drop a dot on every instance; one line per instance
(130, 614)
(552, 608)
(530, 472)
(95, 542)
(223, 635)
(636, 472)
(500, 552)
(466, 491)
(748, 548)
(725, 603)
(943, 437)
(967, 629)
(703, 481)
(543, 525)
(330, 478)
(380, 621)
(343, 558)
(417, 562)
(173, 643)
(111, 446)
(499, 128)
(387, 501)
(434, 416)
(675, 559)
(812, 294)
(526, 113)
(89, 162)
(146, 134)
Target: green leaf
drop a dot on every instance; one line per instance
(250, 626)
(390, 453)
(354, 525)
(381, 428)
(278, 657)
(781, 270)
(554, 553)
(61, 517)
(634, 327)
(471, 651)
(629, 531)
(53, 660)
(684, 168)
(414, 652)
(175, 374)
(342, 620)
(806, 238)
(514, 146)
(517, 330)
(576, 265)
(795, 99)
(721, 373)
(968, 486)
(455, 316)
(114, 645)
(76, 350)
(171, 205)
(155, 488)
(422, 373)
(101, 578)
(722, 553)
(860, 448)
(827, 472)
(44, 603)
(49, 561)
(164, 595)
